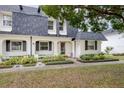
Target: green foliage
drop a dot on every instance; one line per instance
(91, 57)
(59, 62)
(20, 60)
(108, 50)
(95, 17)
(53, 58)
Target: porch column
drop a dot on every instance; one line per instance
(56, 48)
(73, 49)
(1, 48)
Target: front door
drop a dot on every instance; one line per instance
(62, 47)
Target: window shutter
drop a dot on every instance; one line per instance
(95, 45)
(24, 46)
(7, 45)
(37, 46)
(86, 45)
(50, 45)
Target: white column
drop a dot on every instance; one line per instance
(73, 49)
(1, 49)
(56, 52)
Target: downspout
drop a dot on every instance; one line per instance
(31, 45)
(73, 39)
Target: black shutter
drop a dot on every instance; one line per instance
(7, 45)
(24, 46)
(50, 45)
(95, 45)
(86, 45)
(37, 45)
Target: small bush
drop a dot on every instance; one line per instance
(88, 57)
(20, 60)
(53, 58)
(118, 54)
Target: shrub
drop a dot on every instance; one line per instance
(108, 50)
(100, 56)
(53, 58)
(118, 54)
(20, 60)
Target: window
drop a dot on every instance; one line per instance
(50, 25)
(16, 46)
(44, 46)
(60, 26)
(7, 20)
(90, 45)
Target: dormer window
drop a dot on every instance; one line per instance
(50, 25)
(61, 26)
(7, 20)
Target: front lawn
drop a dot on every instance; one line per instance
(95, 76)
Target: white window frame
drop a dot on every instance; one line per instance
(61, 26)
(91, 44)
(6, 20)
(51, 25)
(16, 50)
(40, 45)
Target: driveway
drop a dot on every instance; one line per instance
(57, 66)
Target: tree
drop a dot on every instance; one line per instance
(108, 50)
(84, 17)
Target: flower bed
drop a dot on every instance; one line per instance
(55, 60)
(89, 58)
(26, 61)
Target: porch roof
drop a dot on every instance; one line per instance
(90, 36)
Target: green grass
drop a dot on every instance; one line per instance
(119, 57)
(95, 76)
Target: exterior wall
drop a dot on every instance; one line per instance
(14, 53)
(70, 49)
(80, 48)
(116, 41)
(55, 48)
(56, 45)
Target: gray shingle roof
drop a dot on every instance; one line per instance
(30, 22)
(15, 8)
(90, 36)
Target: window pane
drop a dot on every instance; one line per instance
(91, 45)
(60, 26)
(50, 25)
(7, 21)
(43, 45)
(16, 45)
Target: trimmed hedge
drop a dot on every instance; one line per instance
(53, 58)
(95, 61)
(59, 62)
(88, 58)
(19, 60)
(118, 54)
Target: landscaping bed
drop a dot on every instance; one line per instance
(93, 61)
(59, 62)
(56, 60)
(25, 61)
(90, 58)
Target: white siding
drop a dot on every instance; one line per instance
(80, 48)
(116, 41)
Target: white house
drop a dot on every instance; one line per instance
(115, 40)
(26, 31)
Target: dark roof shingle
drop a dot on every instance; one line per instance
(90, 36)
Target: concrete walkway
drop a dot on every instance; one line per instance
(57, 66)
